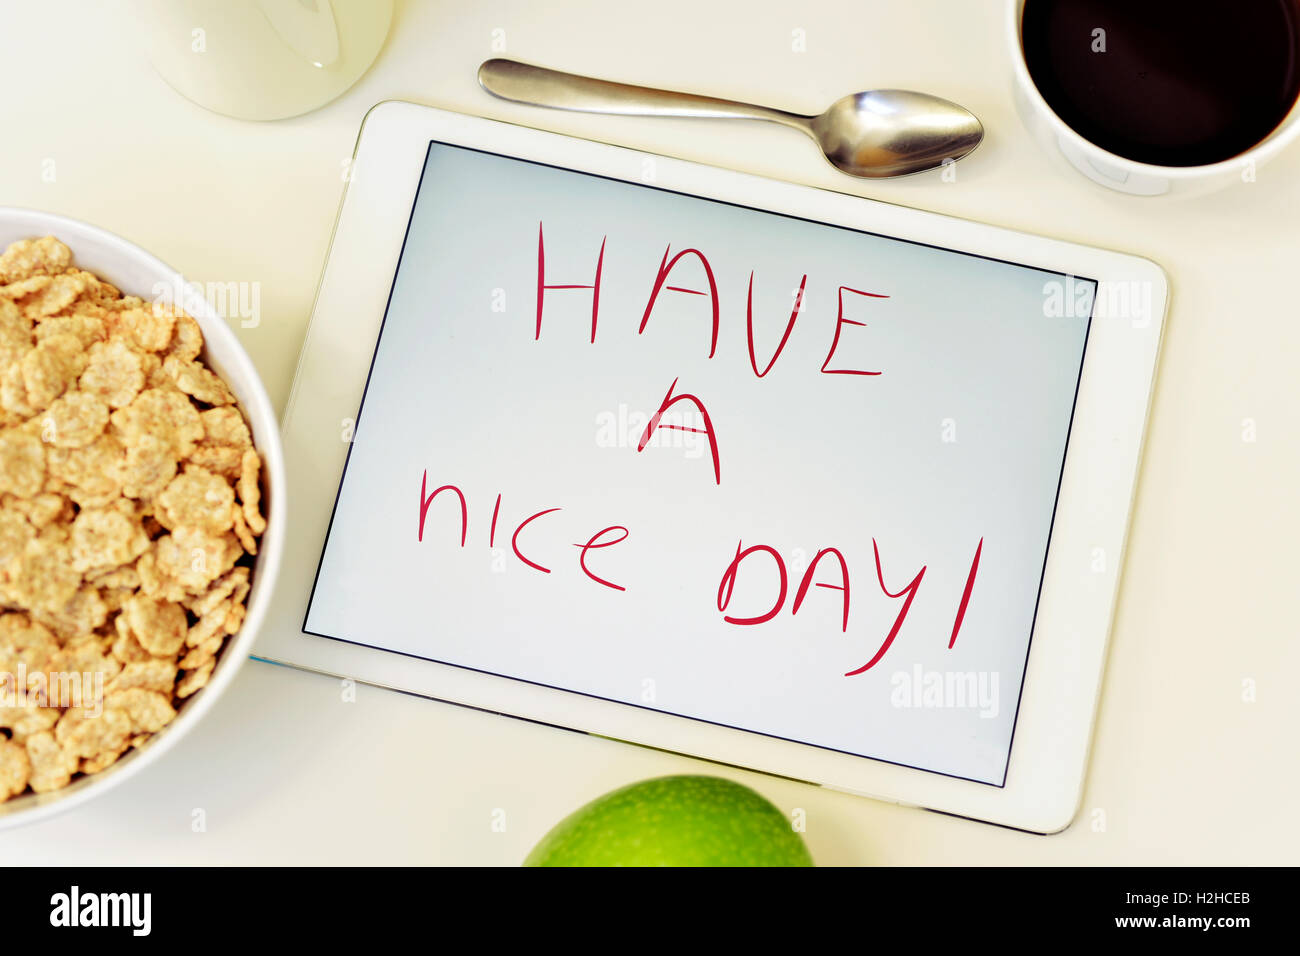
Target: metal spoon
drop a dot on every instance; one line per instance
(876, 134)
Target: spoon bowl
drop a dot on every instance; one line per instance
(887, 133)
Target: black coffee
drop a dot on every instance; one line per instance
(1169, 82)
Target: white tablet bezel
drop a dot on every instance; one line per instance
(1067, 651)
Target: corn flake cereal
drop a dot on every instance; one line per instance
(130, 508)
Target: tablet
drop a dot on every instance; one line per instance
(760, 473)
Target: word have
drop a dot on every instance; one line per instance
(660, 286)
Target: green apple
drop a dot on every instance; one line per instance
(674, 821)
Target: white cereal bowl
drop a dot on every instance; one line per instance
(136, 272)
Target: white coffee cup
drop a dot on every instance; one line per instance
(262, 59)
(1116, 172)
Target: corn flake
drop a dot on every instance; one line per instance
(23, 721)
(198, 498)
(26, 642)
(125, 648)
(159, 626)
(69, 669)
(86, 329)
(155, 674)
(241, 530)
(147, 710)
(74, 420)
(150, 464)
(54, 294)
(15, 532)
(194, 557)
(203, 652)
(15, 769)
(249, 491)
(41, 578)
(22, 462)
(85, 733)
(195, 680)
(104, 760)
(39, 510)
(83, 613)
(52, 767)
(28, 257)
(15, 333)
(163, 411)
(193, 379)
(92, 475)
(115, 373)
(104, 539)
(50, 367)
(149, 329)
(187, 343)
(234, 584)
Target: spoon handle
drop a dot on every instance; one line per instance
(538, 86)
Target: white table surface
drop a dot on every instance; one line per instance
(1183, 770)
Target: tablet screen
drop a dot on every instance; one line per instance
(710, 460)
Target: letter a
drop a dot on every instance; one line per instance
(668, 402)
(665, 267)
